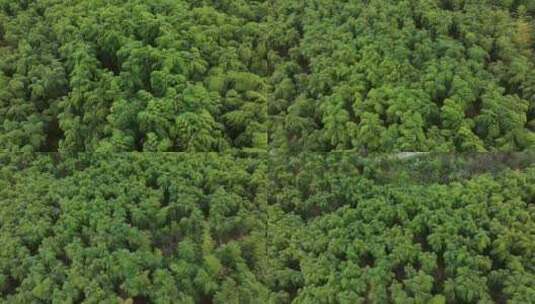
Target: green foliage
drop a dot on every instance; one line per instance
(197, 76)
(422, 229)
(245, 228)
(132, 75)
(252, 93)
(132, 228)
(409, 75)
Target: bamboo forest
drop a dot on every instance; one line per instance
(267, 151)
(239, 228)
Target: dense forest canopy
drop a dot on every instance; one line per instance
(179, 75)
(403, 75)
(127, 75)
(132, 228)
(247, 229)
(439, 230)
(324, 151)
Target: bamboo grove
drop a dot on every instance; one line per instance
(321, 151)
(243, 228)
(176, 75)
